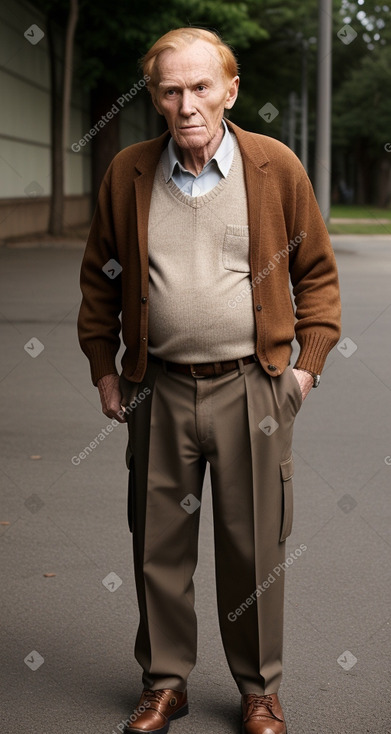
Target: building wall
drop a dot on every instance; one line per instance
(25, 175)
(139, 120)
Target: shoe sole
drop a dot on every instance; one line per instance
(243, 732)
(178, 714)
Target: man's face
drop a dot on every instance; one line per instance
(192, 93)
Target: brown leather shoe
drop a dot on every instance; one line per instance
(155, 711)
(262, 714)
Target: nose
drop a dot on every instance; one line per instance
(187, 108)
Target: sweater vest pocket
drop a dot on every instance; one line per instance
(236, 248)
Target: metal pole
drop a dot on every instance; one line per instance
(292, 121)
(304, 106)
(323, 109)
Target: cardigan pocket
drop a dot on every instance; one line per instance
(236, 248)
(286, 471)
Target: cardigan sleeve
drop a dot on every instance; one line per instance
(314, 277)
(100, 281)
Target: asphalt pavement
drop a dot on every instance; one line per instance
(68, 605)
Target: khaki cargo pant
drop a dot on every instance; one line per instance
(241, 423)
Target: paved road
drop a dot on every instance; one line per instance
(67, 639)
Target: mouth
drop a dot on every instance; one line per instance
(190, 127)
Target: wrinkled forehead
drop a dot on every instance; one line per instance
(196, 61)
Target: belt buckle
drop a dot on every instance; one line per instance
(194, 373)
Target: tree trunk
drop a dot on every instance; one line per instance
(56, 132)
(106, 143)
(60, 116)
(68, 74)
(383, 183)
(361, 173)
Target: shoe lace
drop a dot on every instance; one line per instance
(258, 704)
(154, 696)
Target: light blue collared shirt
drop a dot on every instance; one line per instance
(212, 173)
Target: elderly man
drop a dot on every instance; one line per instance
(196, 237)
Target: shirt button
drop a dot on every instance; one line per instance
(272, 367)
(144, 339)
(144, 299)
(259, 307)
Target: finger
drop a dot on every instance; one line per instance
(120, 417)
(115, 414)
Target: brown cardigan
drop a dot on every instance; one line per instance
(281, 205)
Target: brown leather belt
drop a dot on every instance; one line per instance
(208, 369)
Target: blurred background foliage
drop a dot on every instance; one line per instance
(270, 39)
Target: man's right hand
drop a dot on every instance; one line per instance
(110, 397)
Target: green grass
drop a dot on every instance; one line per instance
(359, 212)
(384, 229)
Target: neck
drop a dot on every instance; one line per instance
(194, 159)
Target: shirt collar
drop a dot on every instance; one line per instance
(223, 156)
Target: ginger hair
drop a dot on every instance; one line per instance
(177, 40)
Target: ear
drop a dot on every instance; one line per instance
(232, 93)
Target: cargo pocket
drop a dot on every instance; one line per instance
(131, 493)
(286, 470)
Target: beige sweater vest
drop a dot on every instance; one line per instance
(198, 261)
